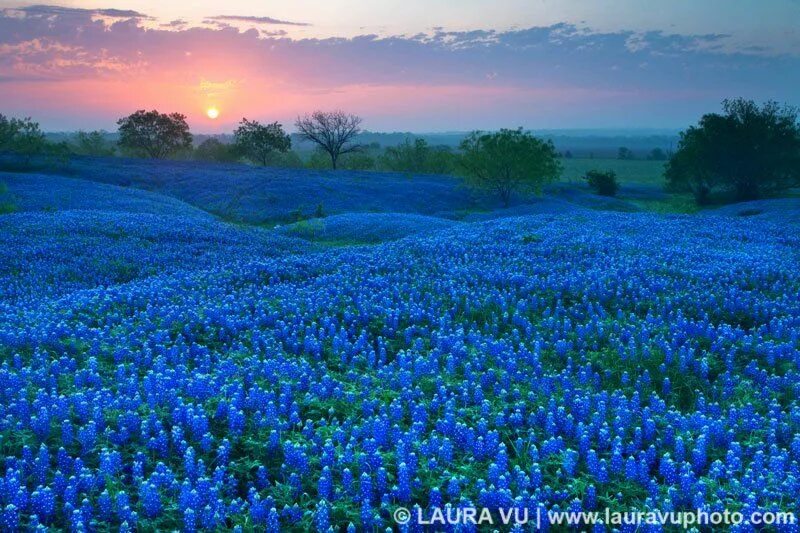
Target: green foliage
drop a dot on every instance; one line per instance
(8, 129)
(357, 161)
(288, 159)
(625, 154)
(22, 137)
(409, 156)
(508, 161)
(657, 154)
(603, 183)
(6, 204)
(417, 157)
(748, 150)
(212, 149)
(57, 154)
(153, 134)
(258, 142)
(319, 159)
(93, 143)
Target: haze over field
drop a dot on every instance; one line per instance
(406, 66)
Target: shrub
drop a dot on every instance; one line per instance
(212, 149)
(357, 161)
(93, 143)
(417, 157)
(288, 159)
(603, 183)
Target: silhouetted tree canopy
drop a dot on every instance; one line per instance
(21, 136)
(154, 134)
(748, 150)
(333, 131)
(258, 142)
(509, 161)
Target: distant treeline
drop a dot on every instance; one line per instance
(587, 144)
(746, 152)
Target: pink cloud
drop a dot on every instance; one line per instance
(99, 64)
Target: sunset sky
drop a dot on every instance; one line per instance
(407, 65)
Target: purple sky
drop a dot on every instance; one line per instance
(574, 66)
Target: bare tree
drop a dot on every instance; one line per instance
(332, 131)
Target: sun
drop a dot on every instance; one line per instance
(212, 112)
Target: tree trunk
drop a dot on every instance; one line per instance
(334, 157)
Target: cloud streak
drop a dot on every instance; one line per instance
(48, 10)
(256, 20)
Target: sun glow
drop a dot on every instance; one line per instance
(212, 112)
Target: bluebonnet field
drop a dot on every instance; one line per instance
(171, 371)
(268, 195)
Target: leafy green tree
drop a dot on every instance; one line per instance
(602, 183)
(508, 161)
(153, 134)
(22, 137)
(93, 143)
(656, 154)
(259, 142)
(332, 131)
(749, 150)
(684, 171)
(212, 149)
(8, 129)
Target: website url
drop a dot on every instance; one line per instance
(449, 515)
